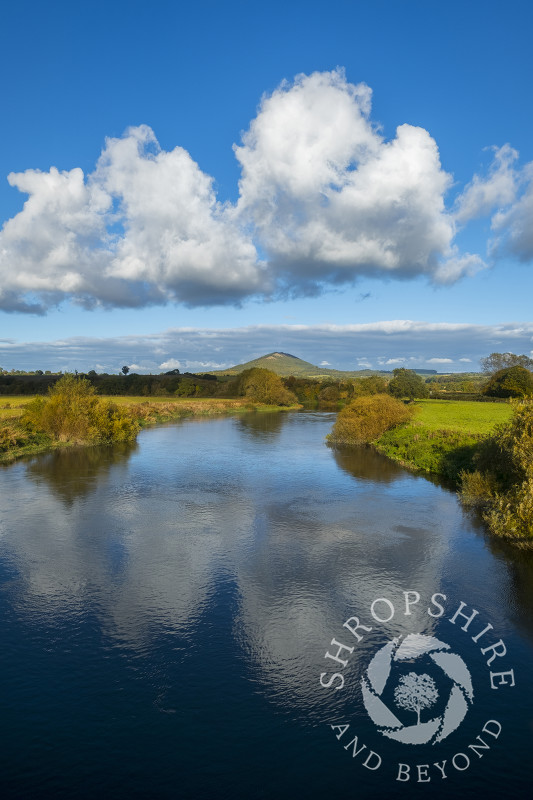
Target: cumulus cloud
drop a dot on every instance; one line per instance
(506, 192)
(498, 189)
(441, 360)
(378, 345)
(144, 227)
(514, 226)
(330, 199)
(323, 199)
(172, 363)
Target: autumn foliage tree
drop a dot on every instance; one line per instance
(72, 412)
(365, 419)
(264, 386)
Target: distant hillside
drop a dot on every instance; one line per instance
(284, 364)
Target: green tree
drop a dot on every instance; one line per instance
(125, 370)
(407, 384)
(498, 361)
(264, 386)
(373, 384)
(510, 382)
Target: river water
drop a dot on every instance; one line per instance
(166, 610)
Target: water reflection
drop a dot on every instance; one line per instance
(262, 425)
(76, 472)
(367, 464)
(214, 563)
(146, 542)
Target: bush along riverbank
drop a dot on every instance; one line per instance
(73, 414)
(492, 468)
(502, 483)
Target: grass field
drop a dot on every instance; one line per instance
(13, 405)
(461, 415)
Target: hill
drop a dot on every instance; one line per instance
(285, 364)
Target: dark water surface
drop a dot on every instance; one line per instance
(165, 611)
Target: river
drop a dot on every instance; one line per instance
(166, 611)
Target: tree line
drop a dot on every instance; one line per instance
(505, 375)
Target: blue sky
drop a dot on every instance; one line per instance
(382, 171)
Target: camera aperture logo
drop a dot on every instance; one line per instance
(414, 689)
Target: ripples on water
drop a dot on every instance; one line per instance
(166, 609)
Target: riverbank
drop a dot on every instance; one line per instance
(444, 436)
(485, 451)
(16, 441)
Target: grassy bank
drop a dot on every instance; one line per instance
(486, 449)
(16, 440)
(444, 436)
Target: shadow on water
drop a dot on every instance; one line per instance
(262, 425)
(74, 473)
(365, 463)
(519, 563)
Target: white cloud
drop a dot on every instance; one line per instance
(514, 226)
(144, 227)
(507, 193)
(466, 360)
(440, 360)
(482, 195)
(325, 364)
(330, 199)
(200, 349)
(172, 363)
(324, 198)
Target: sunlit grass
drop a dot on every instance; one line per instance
(466, 416)
(13, 405)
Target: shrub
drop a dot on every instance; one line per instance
(365, 419)
(72, 412)
(477, 488)
(11, 436)
(503, 481)
(511, 515)
(510, 382)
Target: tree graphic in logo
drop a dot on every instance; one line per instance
(415, 692)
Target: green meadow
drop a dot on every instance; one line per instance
(467, 416)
